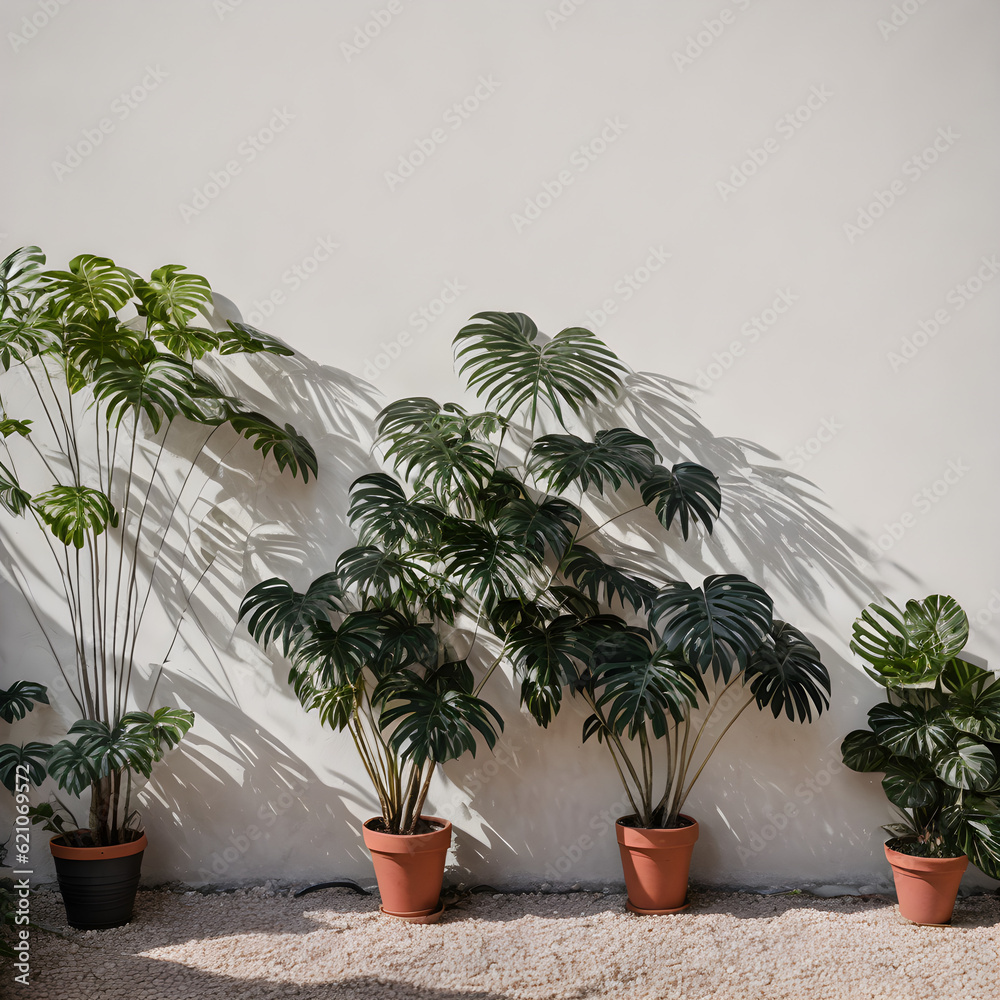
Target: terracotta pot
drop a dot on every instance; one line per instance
(656, 865)
(409, 868)
(926, 887)
(98, 884)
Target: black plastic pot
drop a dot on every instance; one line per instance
(98, 884)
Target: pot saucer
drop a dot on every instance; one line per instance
(654, 913)
(427, 918)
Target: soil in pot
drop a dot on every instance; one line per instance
(409, 868)
(98, 884)
(926, 887)
(656, 863)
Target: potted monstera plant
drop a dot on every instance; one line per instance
(111, 425)
(488, 532)
(936, 740)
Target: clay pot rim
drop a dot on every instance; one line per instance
(66, 852)
(405, 842)
(638, 836)
(910, 862)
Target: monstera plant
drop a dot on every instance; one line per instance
(113, 422)
(485, 544)
(936, 740)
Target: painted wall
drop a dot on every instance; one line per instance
(790, 206)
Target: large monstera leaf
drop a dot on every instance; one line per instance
(551, 655)
(280, 614)
(537, 527)
(290, 449)
(20, 277)
(687, 491)
(385, 516)
(786, 674)
(430, 722)
(911, 648)
(507, 364)
(443, 446)
(20, 698)
(172, 296)
(15, 760)
(74, 512)
(595, 578)
(92, 285)
(637, 683)
(616, 456)
(488, 564)
(717, 626)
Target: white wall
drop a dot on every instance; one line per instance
(841, 105)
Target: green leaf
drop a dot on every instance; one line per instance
(966, 764)
(240, 338)
(73, 511)
(20, 277)
(688, 490)
(379, 506)
(442, 445)
(24, 337)
(337, 655)
(910, 730)
(910, 784)
(14, 759)
(617, 455)
(786, 674)
(377, 574)
(973, 826)
(12, 497)
(186, 341)
(532, 526)
(290, 449)
(976, 711)
(404, 642)
(911, 648)
(171, 297)
(506, 364)
(598, 580)
(279, 613)
(10, 426)
(428, 725)
(90, 341)
(862, 751)
(162, 730)
(639, 685)
(92, 285)
(160, 386)
(336, 705)
(20, 698)
(488, 565)
(716, 626)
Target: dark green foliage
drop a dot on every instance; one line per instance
(937, 738)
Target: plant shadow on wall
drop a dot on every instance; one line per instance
(129, 409)
(504, 539)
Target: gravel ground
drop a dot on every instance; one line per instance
(253, 944)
